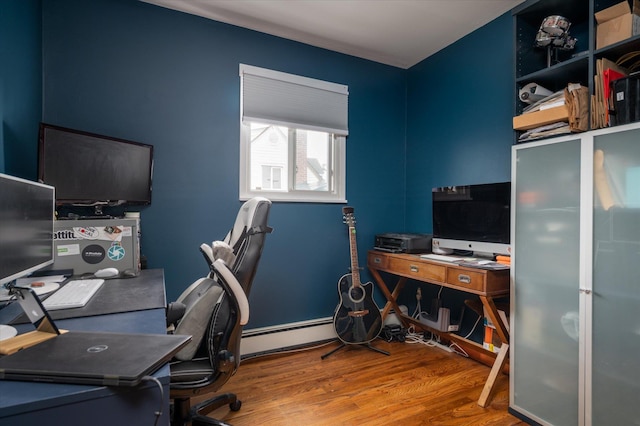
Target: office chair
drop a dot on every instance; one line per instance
(214, 310)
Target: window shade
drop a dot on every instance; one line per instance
(289, 100)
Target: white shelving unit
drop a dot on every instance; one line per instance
(575, 291)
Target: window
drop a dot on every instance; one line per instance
(293, 136)
(271, 177)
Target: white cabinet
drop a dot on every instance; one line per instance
(575, 276)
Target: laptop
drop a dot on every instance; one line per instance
(89, 358)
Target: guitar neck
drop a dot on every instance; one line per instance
(355, 269)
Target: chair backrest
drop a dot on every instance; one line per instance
(246, 241)
(242, 247)
(223, 331)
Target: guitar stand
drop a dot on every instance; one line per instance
(367, 345)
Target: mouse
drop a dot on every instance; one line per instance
(106, 273)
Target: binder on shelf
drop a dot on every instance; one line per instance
(625, 98)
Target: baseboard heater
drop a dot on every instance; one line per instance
(279, 338)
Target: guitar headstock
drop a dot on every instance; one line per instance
(348, 216)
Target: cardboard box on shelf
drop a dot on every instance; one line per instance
(617, 23)
(540, 118)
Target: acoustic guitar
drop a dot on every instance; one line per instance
(357, 318)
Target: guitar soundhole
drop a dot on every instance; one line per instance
(356, 294)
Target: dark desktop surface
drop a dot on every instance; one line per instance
(22, 401)
(134, 305)
(116, 295)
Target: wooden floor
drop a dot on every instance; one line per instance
(415, 385)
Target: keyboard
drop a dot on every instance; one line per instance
(74, 294)
(443, 258)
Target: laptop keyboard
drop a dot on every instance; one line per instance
(74, 294)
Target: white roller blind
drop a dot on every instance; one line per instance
(290, 100)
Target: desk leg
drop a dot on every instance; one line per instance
(498, 364)
(492, 311)
(391, 297)
(493, 375)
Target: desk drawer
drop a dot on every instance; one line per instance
(377, 261)
(466, 279)
(418, 270)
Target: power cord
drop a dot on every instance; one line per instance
(413, 337)
(434, 340)
(418, 311)
(474, 327)
(158, 413)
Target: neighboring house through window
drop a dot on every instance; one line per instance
(293, 135)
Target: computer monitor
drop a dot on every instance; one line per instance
(88, 169)
(472, 218)
(26, 227)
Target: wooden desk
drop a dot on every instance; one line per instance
(485, 283)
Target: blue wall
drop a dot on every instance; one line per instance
(20, 86)
(459, 116)
(136, 71)
(459, 121)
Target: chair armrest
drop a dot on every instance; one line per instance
(174, 312)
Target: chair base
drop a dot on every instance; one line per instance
(184, 414)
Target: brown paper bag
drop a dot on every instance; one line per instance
(577, 102)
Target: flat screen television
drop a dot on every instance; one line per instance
(92, 170)
(26, 227)
(475, 218)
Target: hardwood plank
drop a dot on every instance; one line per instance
(416, 385)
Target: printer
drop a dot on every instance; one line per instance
(403, 243)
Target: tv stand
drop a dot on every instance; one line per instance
(72, 216)
(106, 216)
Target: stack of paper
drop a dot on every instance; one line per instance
(553, 129)
(551, 101)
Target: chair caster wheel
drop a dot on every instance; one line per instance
(235, 406)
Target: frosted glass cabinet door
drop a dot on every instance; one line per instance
(615, 366)
(544, 363)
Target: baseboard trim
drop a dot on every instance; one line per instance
(282, 337)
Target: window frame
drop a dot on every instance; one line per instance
(316, 95)
(337, 194)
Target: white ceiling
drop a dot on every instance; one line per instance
(400, 33)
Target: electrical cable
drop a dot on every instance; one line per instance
(473, 328)
(413, 337)
(416, 338)
(158, 413)
(458, 349)
(418, 311)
